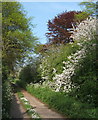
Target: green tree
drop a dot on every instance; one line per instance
(18, 40)
(89, 6)
(88, 9)
(82, 16)
(29, 73)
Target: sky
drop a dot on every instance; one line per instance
(44, 11)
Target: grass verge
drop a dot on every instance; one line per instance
(63, 103)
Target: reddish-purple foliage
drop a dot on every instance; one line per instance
(60, 27)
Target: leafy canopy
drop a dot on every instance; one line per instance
(89, 6)
(18, 39)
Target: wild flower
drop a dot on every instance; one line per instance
(32, 110)
(54, 70)
(26, 103)
(23, 98)
(34, 116)
(36, 85)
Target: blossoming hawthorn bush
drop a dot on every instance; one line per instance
(84, 36)
(53, 59)
(63, 81)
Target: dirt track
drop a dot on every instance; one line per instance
(41, 108)
(17, 110)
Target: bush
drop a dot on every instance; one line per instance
(6, 92)
(85, 78)
(26, 74)
(53, 58)
(6, 99)
(29, 74)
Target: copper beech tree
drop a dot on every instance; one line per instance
(60, 28)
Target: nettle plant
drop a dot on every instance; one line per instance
(84, 36)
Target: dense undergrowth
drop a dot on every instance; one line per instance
(6, 92)
(7, 98)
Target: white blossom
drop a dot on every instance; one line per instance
(24, 99)
(85, 34)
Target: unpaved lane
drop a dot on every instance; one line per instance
(41, 108)
(17, 110)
